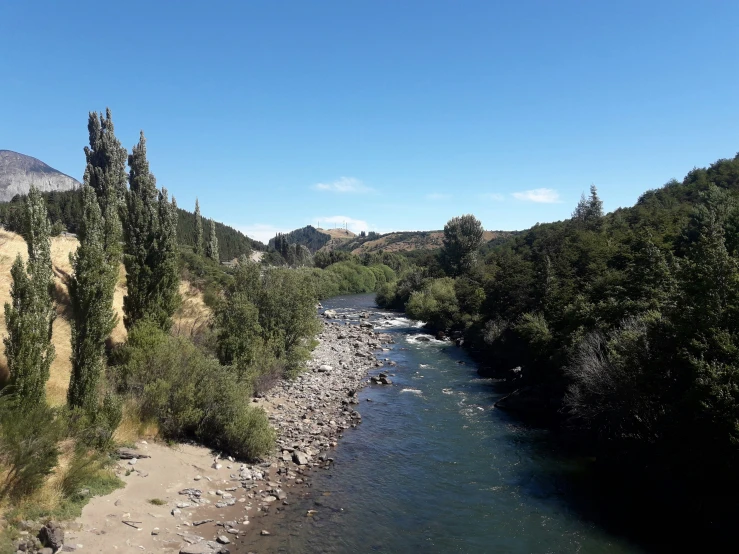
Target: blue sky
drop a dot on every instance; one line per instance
(389, 115)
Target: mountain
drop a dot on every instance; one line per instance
(405, 241)
(18, 172)
(316, 238)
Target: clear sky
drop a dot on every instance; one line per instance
(391, 115)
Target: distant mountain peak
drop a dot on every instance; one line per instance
(18, 172)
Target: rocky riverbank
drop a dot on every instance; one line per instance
(186, 499)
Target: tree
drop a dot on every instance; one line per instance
(589, 211)
(198, 230)
(91, 291)
(30, 314)
(106, 174)
(151, 246)
(211, 249)
(462, 238)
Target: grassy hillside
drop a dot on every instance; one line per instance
(406, 241)
(65, 210)
(192, 314)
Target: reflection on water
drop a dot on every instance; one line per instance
(435, 468)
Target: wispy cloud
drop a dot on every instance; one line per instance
(261, 231)
(541, 196)
(494, 196)
(438, 196)
(354, 225)
(344, 185)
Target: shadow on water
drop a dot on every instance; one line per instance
(434, 468)
(621, 504)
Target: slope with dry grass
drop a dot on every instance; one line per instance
(190, 318)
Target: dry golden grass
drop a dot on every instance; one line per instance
(193, 315)
(132, 427)
(337, 233)
(11, 245)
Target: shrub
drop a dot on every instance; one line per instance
(28, 446)
(191, 395)
(436, 304)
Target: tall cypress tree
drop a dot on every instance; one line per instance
(30, 314)
(166, 270)
(106, 174)
(212, 248)
(90, 290)
(198, 229)
(151, 246)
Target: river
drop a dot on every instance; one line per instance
(434, 467)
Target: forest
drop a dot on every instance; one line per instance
(621, 330)
(65, 214)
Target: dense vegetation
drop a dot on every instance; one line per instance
(307, 236)
(65, 213)
(620, 328)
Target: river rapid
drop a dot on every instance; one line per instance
(434, 467)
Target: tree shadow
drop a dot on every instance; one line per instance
(654, 517)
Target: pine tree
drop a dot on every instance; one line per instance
(30, 314)
(151, 246)
(589, 210)
(90, 290)
(106, 174)
(198, 230)
(211, 249)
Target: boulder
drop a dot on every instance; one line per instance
(300, 458)
(52, 535)
(330, 314)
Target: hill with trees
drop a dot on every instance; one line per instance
(620, 329)
(65, 213)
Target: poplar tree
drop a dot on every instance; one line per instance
(212, 247)
(462, 238)
(106, 175)
(30, 314)
(151, 246)
(90, 290)
(198, 230)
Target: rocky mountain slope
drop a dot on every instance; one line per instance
(18, 172)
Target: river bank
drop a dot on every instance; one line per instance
(187, 499)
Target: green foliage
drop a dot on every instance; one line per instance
(152, 277)
(462, 239)
(308, 236)
(232, 244)
(29, 451)
(105, 173)
(267, 317)
(190, 394)
(436, 304)
(211, 249)
(324, 259)
(91, 290)
(198, 247)
(30, 314)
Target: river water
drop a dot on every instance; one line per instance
(433, 467)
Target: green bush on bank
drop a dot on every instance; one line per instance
(189, 394)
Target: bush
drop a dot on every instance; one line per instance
(28, 447)
(189, 394)
(436, 304)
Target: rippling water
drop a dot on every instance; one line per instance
(435, 468)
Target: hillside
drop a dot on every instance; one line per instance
(192, 314)
(406, 241)
(18, 172)
(65, 207)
